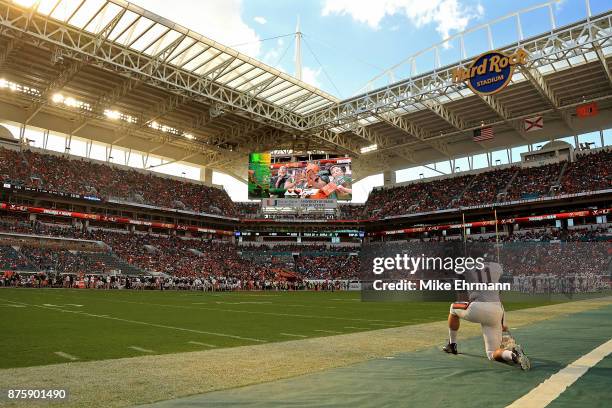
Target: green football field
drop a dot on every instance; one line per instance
(262, 349)
(48, 326)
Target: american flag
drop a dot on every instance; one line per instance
(484, 133)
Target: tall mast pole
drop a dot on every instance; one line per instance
(298, 51)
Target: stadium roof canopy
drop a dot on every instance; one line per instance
(112, 72)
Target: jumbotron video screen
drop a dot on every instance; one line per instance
(310, 179)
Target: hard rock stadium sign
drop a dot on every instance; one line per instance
(490, 72)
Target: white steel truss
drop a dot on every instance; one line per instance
(141, 47)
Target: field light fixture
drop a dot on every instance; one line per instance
(70, 102)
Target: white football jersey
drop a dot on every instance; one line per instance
(491, 273)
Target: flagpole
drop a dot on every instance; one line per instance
(496, 234)
(496, 229)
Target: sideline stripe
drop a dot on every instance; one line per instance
(293, 335)
(66, 355)
(318, 316)
(197, 343)
(143, 350)
(139, 322)
(549, 390)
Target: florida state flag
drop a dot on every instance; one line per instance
(584, 111)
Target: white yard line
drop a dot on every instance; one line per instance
(356, 328)
(142, 323)
(66, 355)
(142, 350)
(197, 343)
(293, 335)
(549, 390)
(318, 317)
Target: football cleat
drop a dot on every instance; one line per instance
(450, 348)
(520, 358)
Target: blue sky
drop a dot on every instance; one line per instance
(348, 42)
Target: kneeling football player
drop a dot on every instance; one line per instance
(485, 307)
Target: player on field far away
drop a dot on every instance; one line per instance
(485, 307)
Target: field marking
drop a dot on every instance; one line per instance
(246, 295)
(394, 322)
(12, 305)
(357, 328)
(549, 390)
(293, 335)
(329, 331)
(73, 304)
(48, 305)
(66, 355)
(197, 343)
(231, 336)
(220, 302)
(318, 317)
(142, 350)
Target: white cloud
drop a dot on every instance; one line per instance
(448, 15)
(272, 57)
(311, 76)
(260, 20)
(220, 20)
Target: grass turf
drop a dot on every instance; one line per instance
(97, 325)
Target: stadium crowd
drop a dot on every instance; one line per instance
(84, 177)
(215, 262)
(590, 172)
(171, 262)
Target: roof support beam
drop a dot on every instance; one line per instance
(109, 99)
(503, 113)
(48, 33)
(539, 83)
(604, 63)
(162, 108)
(340, 140)
(12, 45)
(444, 113)
(234, 133)
(413, 130)
(367, 134)
(65, 75)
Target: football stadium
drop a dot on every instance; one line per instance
(438, 238)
